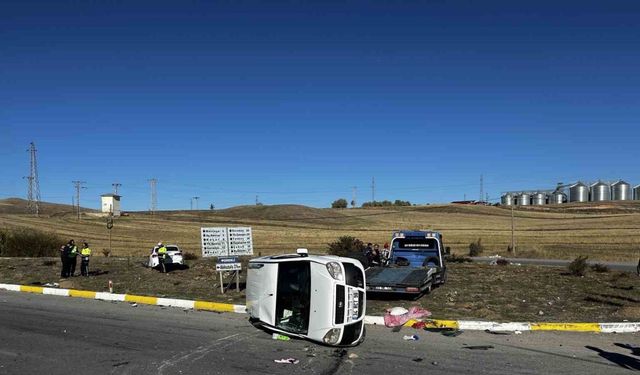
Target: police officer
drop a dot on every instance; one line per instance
(85, 253)
(72, 258)
(162, 256)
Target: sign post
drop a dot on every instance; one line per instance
(227, 244)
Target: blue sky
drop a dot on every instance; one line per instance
(298, 102)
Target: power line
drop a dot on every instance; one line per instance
(353, 200)
(373, 189)
(33, 193)
(78, 186)
(154, 195)
(196, 199)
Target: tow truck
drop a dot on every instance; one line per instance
(316, 297)
(415, 265)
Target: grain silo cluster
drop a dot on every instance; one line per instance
(577, 192)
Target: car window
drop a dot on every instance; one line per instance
(172, 248)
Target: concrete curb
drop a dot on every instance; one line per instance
(469, 325)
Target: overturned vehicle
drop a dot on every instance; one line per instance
(316, 297)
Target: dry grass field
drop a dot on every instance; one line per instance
(605, 231)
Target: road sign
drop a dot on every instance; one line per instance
(221, 241)
(240, 241)
(214, 242)
(228, 266)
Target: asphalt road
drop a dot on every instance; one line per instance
(618, 266)
(62, 335)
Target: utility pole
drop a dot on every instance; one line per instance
(481, 189)
(355, 193)
(196, 199)
(78, 186)
(513, 237)
(116, 185)
(154, 195)
(33, 193)
(373, 189)
(257, 201)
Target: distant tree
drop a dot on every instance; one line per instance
(212, 207)
(339, 203)
(353, 203)
(399, 202)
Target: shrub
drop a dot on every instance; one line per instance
(106, 252)
(510, 249)
(599, 268)
(189, 256)
(339, 203)
(578, 267)
(29, 243)
(502, 262)
(346, 246)
(476, 248)
(453, 258)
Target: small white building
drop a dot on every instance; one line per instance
(111, 204)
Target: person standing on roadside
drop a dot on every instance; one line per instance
(85, 253)
(72, 258)
(66, 258)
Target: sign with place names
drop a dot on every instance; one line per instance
(228, 266)
(222, 241)
(240, 241)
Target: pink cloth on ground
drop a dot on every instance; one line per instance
(415, 312)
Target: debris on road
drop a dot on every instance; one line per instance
(452, 332)
(494, 332)
(52, 285)
(411, 338)
(478, 347)
(291, 361)
(397, 316)
(419, 325)
(277, 336)
(417, 359)
(134, 305)
(353, 355)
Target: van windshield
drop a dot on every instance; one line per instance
(294, 296)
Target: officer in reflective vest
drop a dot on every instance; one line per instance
(85, 253)
(162, 256)
(73, 258)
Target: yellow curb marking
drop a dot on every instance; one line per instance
(141, 299)
(31, 289)
(576, 327)
(213, 306)
(82, 293)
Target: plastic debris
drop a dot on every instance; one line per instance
(291, 361)
(54, 285)
(414, 312)
(493, 332)
(452, 332)
(353, 355)
(517, 332)
(419, 325)
(479, 347)
(277, 336)
(411, 338)
(395, 311)
(435, 363)
(134, 305)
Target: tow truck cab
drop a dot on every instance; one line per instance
(317, 297)
(416, 265)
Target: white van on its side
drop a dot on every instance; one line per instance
(317, 297)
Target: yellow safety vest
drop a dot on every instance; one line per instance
(85, 252)
(162, 252)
